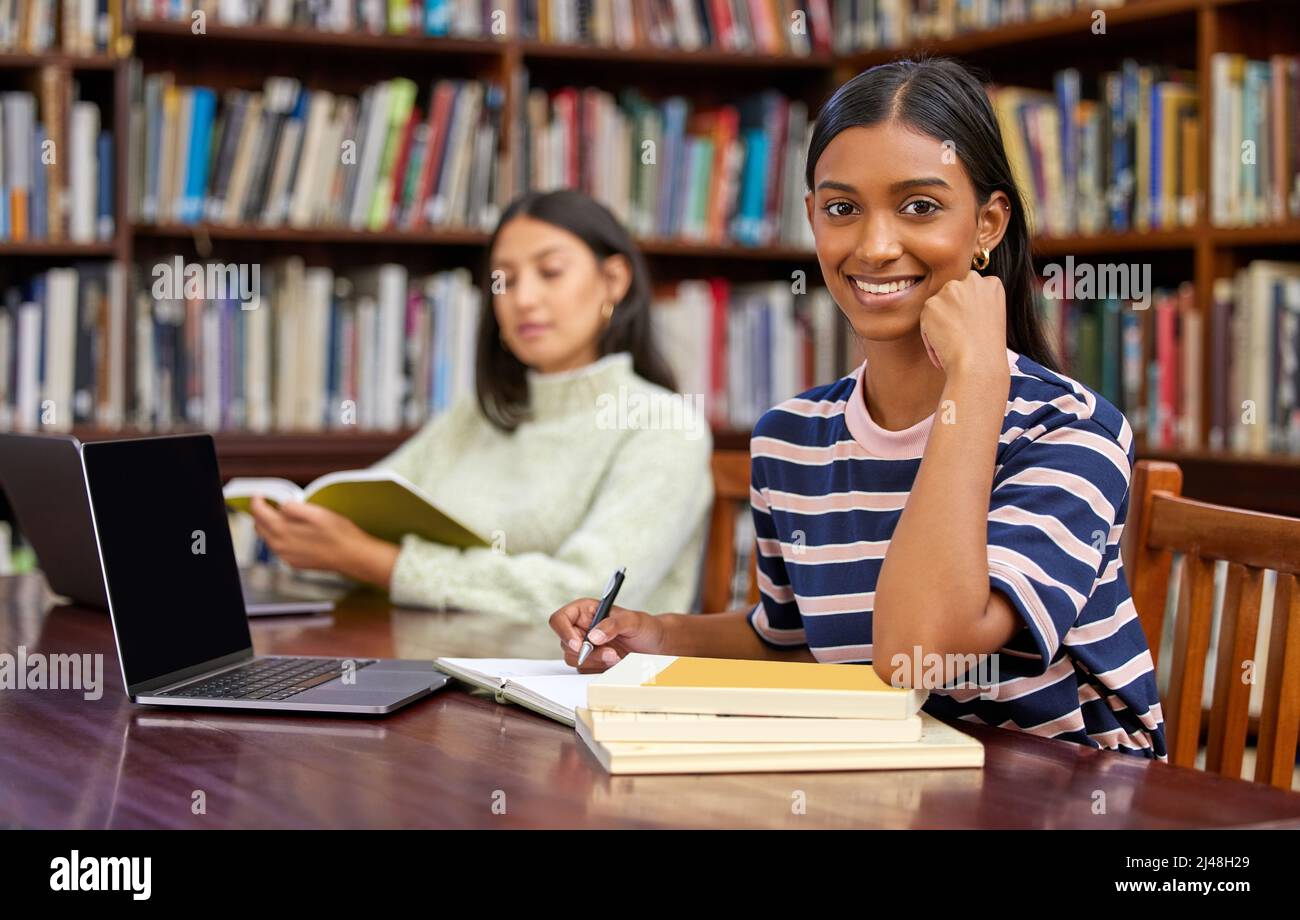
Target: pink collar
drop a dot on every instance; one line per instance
(907, 444)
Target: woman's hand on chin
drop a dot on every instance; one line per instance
(964, 326)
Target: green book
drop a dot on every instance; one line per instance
(380, 502)
(401, 99)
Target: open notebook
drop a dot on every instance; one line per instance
(549, 687)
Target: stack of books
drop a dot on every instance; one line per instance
(669, 714)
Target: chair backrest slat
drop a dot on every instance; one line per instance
(1230, 715)
(1191, 642)
(1279, 718)
(730, 496)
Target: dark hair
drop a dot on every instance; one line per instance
(501, 378)
(943, 99)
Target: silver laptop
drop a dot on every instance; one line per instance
(41, 474)
(173, 594)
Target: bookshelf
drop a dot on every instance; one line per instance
(1180, 33)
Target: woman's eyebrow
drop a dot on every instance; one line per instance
(916, 183)
(836, 186)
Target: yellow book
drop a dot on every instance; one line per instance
(612, 725)
(728, 686)
(940, 746)
(380, 502)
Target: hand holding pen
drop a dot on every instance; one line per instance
(606, 604)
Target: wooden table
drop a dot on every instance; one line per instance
(458, 759)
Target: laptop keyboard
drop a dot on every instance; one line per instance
(268, 679)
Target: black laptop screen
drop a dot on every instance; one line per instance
(173, 584)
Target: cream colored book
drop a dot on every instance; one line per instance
(940, 746)
(740, 687)
(611, 725)
(548, 687)
(380, 502)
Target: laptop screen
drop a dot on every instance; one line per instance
(173, 584)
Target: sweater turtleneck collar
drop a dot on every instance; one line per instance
(562, 393)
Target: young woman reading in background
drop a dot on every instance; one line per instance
(955, 496)
(530, 459)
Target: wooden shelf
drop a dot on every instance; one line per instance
(700, 250)
(452, 236)
(22, 61)
(58, 250)
(1025, 35)
(1112, 242)
(303, 456)
(442, 236)
(1262, 235)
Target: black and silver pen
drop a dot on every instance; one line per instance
(606, 604)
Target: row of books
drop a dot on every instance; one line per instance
(672, 169)
(290, 156)
(63, 349)
(301, 348)
(1142, 356)
(283, 346)
(746, 347)
(867, 24)
(56, 165)
(80, 27)
(1127, 161)
(1151, 362)
(1255, 146)
(1255, 373)
(461, 18)
(796, 27)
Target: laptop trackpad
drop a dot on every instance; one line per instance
(371, 686)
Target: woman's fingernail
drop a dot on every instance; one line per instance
(574, 644)
(596, 636)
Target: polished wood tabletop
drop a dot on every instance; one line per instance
(459, 759)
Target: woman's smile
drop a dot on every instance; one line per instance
(878, 292)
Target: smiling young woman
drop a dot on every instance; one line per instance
(955, 496)
(527, 458)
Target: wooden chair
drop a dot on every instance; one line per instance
(730, 497)
(1162, 523)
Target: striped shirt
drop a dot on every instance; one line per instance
(829, 485)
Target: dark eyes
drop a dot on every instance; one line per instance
(919, 207)
(928, 207)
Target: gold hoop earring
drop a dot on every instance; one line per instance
(607, 310)
(981, 261)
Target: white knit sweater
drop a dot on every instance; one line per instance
(576, 491)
